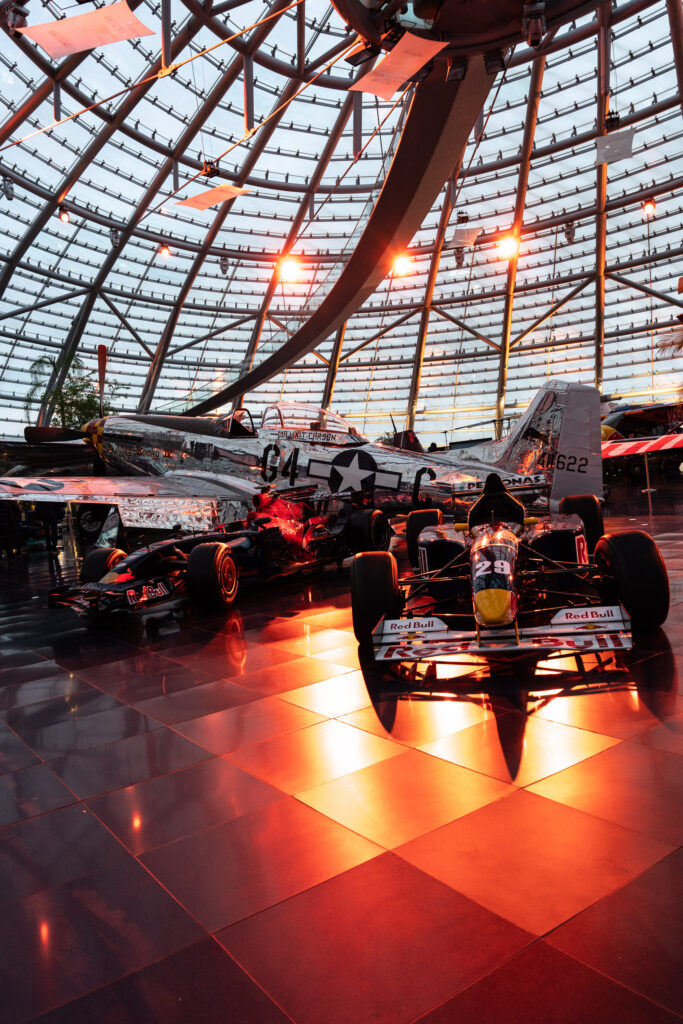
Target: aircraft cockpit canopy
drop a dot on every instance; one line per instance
(300, 416)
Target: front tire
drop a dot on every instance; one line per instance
(212, 578)
(415, 524)
(370, 530)
(374, 592)
(99, 562)
(587, 507)
(634, 561)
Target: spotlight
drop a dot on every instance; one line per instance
(402, 266)
(63, 214)
(533, 23)
(164, 251)
(649, 207)
(459, 257)
(569, 231)
(115, 237)
(508, 247)
(288, 269)
(224, 264)
(7, 188)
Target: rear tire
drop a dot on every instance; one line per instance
(374, 592)
(635, 562)
(415, 524)
(212, 578)
(99, 562)
(370, 530)
(587, 507)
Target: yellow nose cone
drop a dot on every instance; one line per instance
(493, 607)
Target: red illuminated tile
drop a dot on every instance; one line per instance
(309, 757)
(403, 797)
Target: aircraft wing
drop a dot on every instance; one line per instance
(109, 489)
(641, 445)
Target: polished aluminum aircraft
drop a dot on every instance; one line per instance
(555, 443)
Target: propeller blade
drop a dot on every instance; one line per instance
(101, 371)
(40, 435)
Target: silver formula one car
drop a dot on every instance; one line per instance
(504, 584)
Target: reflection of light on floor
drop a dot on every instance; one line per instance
(635, 697)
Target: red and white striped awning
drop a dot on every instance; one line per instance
(639, 446)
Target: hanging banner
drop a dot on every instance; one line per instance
(106, 25)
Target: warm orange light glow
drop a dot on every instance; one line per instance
(165, 251)
(44, 933)
(507, 247)
(64, 215)
(137, 822)
(649, 207)
(289, 270)
(402, 266)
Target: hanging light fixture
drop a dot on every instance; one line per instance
(402, 266)
(115, 237)
(508, 247)
(63, 214)
(224, 264)
(289, 270)
(649, 207)
(8, 188)
(164, 251)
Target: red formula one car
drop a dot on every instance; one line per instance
(504, 584)
(279, 537)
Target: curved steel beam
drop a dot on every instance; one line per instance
(441, 117)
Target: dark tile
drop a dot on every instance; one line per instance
(382, 942)
(140, 664)
(32, 791)
(53, 848)
(201, 700)
(541, 986)
(126, 762)
(236, 869)
(73, 707)
(65, 941)
(78, 734)
(167, 808)
(13, 753)
(199, 985)
(630, 784)
(173, 679)
(634, 935)
(64, 685)
(533, 861)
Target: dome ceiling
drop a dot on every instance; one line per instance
(132, 144)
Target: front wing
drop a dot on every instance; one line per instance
(576, 630)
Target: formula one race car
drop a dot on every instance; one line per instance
(278, 537)
(503, 584)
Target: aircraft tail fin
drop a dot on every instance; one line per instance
(558, 435)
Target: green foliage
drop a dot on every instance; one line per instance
(77, 401)
(387, 438)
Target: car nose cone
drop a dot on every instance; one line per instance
(493, 607)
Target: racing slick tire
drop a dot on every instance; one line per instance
(370, 530)
(98, 562)
(587, 508)
(634, 561)
(374, 592)
(212, 578)
(415, 524)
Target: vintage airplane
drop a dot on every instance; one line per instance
(555, 445)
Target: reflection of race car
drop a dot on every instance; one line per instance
(504, 584)
(277, 538)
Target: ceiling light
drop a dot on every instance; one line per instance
(289, 270)
(164, 251)
(569, 231)
(507, 247)
(63, 214)
(115, 237)
(224, 264)
(649, 207)
(8, 188)
(402, 266)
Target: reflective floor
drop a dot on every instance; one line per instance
(220, 822)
